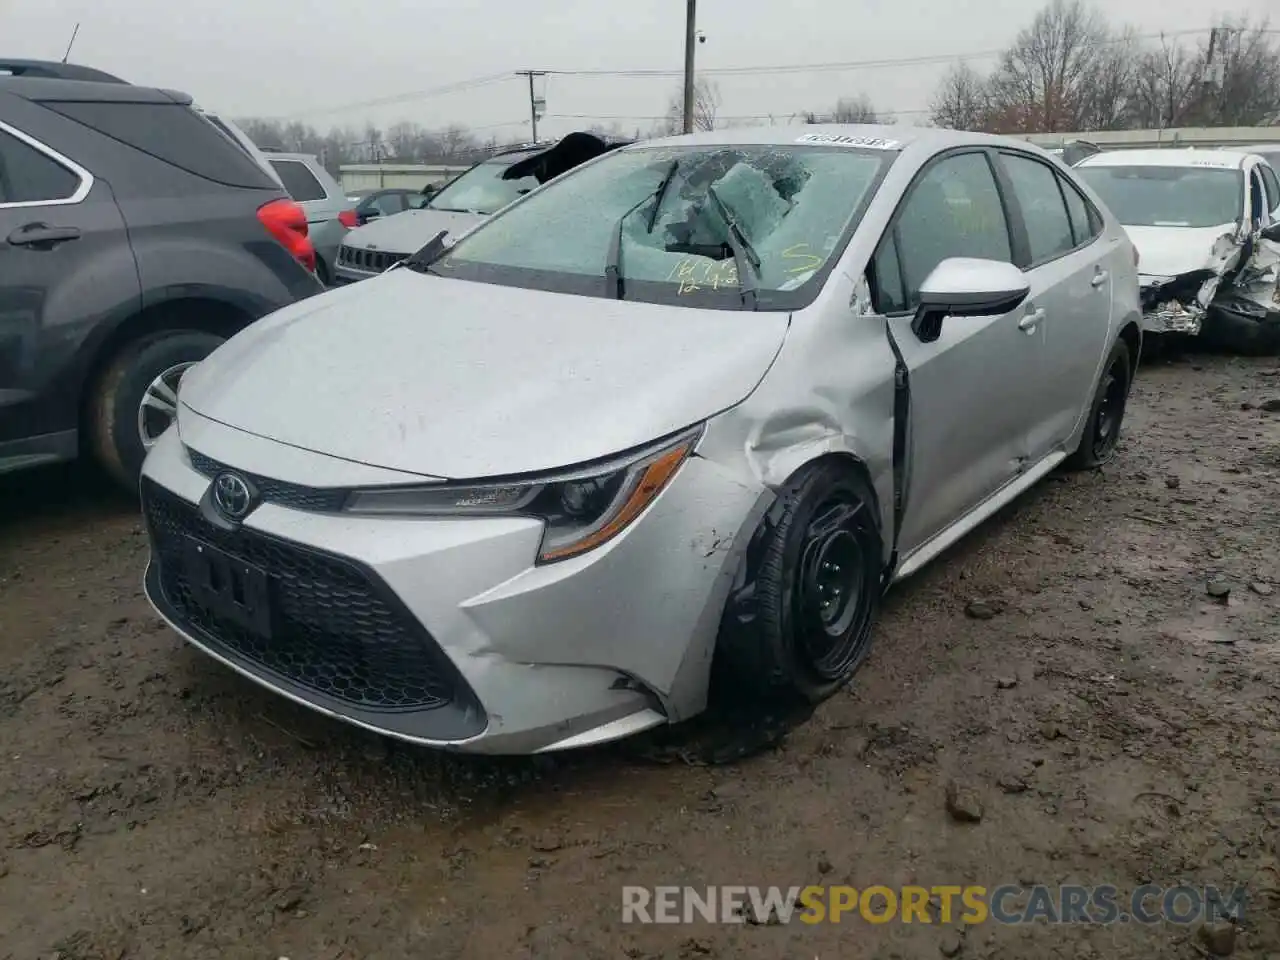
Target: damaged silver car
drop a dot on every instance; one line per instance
(1206, 224)
(659, 432)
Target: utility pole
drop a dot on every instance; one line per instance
(690, 38)
(534, 102)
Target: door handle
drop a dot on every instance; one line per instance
(1099, 278)
(1031, 320)
(41, 234)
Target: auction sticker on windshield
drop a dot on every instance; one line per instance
(842, 140)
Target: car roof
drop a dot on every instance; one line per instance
(1226, 159)
(893, 136)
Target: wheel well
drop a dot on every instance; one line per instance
(1131, 334)
(848, 461)
(207, 316)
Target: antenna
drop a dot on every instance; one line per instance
(72, 43)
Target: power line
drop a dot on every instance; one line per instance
(853, 64)
(448, 88)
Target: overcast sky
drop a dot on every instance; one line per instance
(317, 59)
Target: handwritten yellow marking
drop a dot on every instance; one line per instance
(800, 251)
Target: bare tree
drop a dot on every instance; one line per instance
(1166, 85)
(706, 106)
(1106, 98)
(858, 109)
(962, 101)
(1043, 79)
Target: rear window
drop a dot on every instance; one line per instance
(173, 133)
(298, 180)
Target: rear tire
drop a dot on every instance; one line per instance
(798, 622)
(1106, 412)
(141, 372)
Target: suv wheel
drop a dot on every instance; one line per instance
(136, 399)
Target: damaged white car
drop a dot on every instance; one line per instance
(1206, 224)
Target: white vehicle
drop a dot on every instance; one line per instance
(1197, 218)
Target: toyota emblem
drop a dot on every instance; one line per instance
(232, 495)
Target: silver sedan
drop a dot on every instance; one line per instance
(551, 485)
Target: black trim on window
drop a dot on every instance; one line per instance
(1095, 221)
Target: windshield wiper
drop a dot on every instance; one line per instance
(613, 260)
(422, 259)
(661, 192)
(743, 252)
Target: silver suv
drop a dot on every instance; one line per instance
(329, 213)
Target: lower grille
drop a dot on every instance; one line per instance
(335, 629)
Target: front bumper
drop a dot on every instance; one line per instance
(442, 631)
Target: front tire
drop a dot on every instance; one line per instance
(136, 399)
(798, 622)
(1106, 412)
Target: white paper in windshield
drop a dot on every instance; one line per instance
(842, 140)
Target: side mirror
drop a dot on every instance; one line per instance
(1272, 232)
(967, 287)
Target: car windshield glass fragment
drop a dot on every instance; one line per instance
(1160, 196)
(482, 189)
(794, 205)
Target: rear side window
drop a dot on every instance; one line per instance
(298, 180)
(1035, 185)
(1084, 223)
(954, 210)
(29, 176)
(173, 133)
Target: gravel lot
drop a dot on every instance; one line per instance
(1116, 723)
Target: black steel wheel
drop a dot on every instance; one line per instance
(797, 624)
(1106, 414)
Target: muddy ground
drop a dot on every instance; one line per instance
(1115, 722)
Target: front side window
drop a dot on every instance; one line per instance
(661, 216)
(298, 180)
(29, 176)
(1044, 213)
(954, 210)
(1272, 183)
(482, 189)
(1161, 196)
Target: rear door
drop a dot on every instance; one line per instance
(1058, 245)
(971, 388)
(64, 254)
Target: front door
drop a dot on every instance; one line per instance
(970, 388)
(54, 220)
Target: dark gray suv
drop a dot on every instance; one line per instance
(135, 236)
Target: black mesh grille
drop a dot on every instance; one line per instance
(374, 261)
(292, 495)
(333, 629)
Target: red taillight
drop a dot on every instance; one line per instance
(287, 222)
(348, 219)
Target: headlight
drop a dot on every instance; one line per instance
(580, 510)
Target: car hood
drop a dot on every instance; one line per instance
(409, 231)
(463, 380)
(1169, 251)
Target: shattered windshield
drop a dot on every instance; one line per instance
(482, 189)
(1169, 196)
(660, 219)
